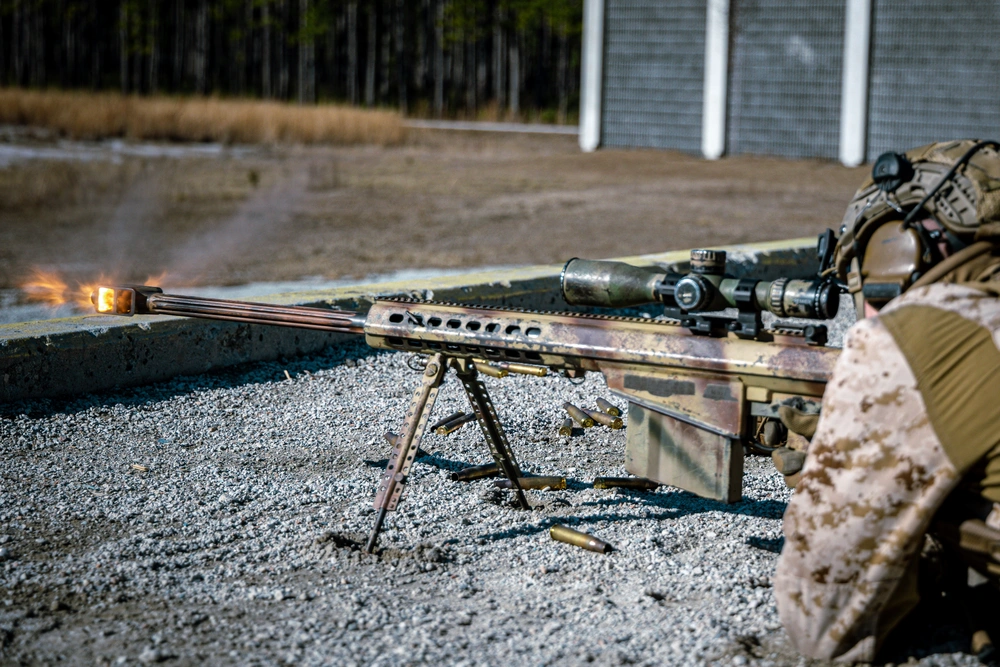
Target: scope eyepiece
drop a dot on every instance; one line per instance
(809, 299)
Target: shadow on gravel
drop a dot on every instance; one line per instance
(258, 372)
(687, 503)
(676, 505)
(771, 544)
(424, 458)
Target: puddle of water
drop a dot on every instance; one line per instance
(113, 150)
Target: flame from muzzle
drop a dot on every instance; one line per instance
(52, 289)
(105, 300)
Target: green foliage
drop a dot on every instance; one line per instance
(255, 47)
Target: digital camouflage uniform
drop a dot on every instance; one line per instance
(908, 416)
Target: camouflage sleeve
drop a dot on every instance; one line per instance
(876, 472)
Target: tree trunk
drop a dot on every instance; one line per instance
(439, 59)
(303, 51)
(470, 75)
(179, 26)
(95, 67)
(482, 75)
(499, 61)
(154, 45)
(123, 47)
(562, 74)
(15, 44)
(370, 61)
(352, 52)
(420, 75)
(401, 73)
(515, 76)
(135, 22)
(282, 50)
(383, 87)
(38, 42)
(332, 73)
(201, 48)
(265, 56)
(251, 52)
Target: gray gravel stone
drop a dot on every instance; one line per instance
(246, 548)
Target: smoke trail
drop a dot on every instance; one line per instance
(263, 216)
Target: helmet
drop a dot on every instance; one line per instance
(916, 209)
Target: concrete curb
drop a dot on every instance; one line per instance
(79, 355)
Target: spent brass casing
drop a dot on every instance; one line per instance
(455, 424)
(637, 483)
(533, 483)
(476, 472)
(578, 415)
(487, 369)
(567, 427)
(605, 419)
(524, 369)
(608, 407)
(561, 533)
(442, 422)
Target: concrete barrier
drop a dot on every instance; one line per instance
(52, 358)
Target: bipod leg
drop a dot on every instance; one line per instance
(489, 422)
(394, 478)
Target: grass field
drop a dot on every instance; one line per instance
(83, 115)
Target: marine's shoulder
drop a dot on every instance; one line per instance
(976, 302)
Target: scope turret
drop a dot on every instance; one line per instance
(706, 288)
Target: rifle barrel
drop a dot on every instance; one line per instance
(299, 317)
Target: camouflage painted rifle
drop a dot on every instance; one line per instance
(700, 387)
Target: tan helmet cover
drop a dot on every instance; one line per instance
(968, 206)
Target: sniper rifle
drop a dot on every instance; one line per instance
(701, 386)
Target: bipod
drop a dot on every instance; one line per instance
(397, 470)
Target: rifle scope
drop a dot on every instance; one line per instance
(706, 288)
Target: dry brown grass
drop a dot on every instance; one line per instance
(81, 115)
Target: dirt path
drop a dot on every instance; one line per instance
(441, 200)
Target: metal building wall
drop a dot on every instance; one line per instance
(935, 73)
(654, 70)
(785, 77)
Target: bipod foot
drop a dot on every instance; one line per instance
(376, 529)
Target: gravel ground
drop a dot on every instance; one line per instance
(239, 539)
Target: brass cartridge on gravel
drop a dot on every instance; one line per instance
(608, 407)
(605, 419)
(486, 368)
(578, 415)
(561, 533)
(523, 369)
(636, 483)
(476, 472)
(537, 483)
(441, 422)
(567, 427)
(455, 424)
